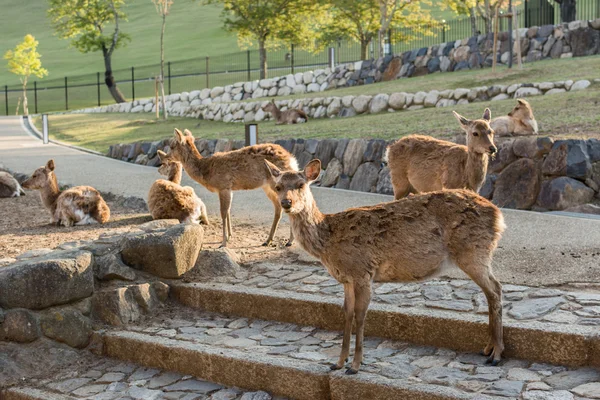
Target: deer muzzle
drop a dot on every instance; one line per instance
(286, 204)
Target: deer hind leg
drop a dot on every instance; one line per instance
(401, 185)
(362, 294)
(278, 210)
(229, 231)
(204, 215)
(349, 315)
(225, 197)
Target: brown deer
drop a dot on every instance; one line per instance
(424, 164)
(9, 186)
(401, 241)
(520, 121)
(242, 169)
(79, 205)
(168, 199)
(285, 117)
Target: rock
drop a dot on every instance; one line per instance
(568, 380)
(443, 376)
(534, 308)
(332, 173)
(379, 103)
(527, 92)
(584, 209)
(588, 390)
(116, 306)
(67, 326)
(384, 182)
(19, 326)
(313, 87)
(326, 151)
(504, 157)
(517, 185)
(361, 103)
(584, 42)
(353, 156)
(570, 158)
(216, 91)
(431, 99)
(158, 224)
(161, 289)
(193, 385)
(530, 147)
(216, 262)
(580, 85)
(57, 278)
(393, 70)
(168, 254)
(488, 187)
(334, 107)
(365, 178)
(375, 149)
(460, 93)
(397, 100)
(505, 388)
(256, 396)
(110, 266)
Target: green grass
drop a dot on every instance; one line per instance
(574, 114)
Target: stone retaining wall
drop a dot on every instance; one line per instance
(528, 172)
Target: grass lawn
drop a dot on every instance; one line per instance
(574, 114)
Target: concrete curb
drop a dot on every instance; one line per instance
(31, 394)
(537, 341)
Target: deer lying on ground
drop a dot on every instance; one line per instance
(292, 116)
(242, 169)
(520, 121)
(424, 164)
(79, 205)
(9, 186)
(168, 199)
(401, 241)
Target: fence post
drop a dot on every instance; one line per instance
(292, 58)
(6, 97)
(66, 94)
(133, 83)
(525, 22)
(207, 71)
(389, 35)
(331, 54)
(35, 95)
(510, 34)
(169, 75)
(443, 31)
(98, 84)
(248, 52)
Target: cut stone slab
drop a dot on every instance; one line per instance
(168, 254)
(193, 385)
(67, 326)
(534, 308)
(588, 390)
(568, 380)
(56, 278)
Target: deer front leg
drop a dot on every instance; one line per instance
(349, 315)
(272, 195)
(493, 294)
(229, 232)
(291, 241)
(362, 294)
(225, 202)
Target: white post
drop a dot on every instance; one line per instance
(45, 128)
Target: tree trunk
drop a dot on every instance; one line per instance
(381, 43)
(263, 58)
(162, 67)
(364, 47)
(109, 80)
(568, 10)
(25, 108)
(473, 18)
(489, 16)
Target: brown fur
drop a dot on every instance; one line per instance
(401, 241)
(168, 199)
(242, 169)
(9, 186)
(424, 164)
(285, 117)
(520, 121)
(79, 205)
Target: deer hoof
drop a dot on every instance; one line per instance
(289, 244)
(334, 367)
(492, 361)
(351, 371)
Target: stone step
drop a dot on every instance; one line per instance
(429, 323)
(293, 361)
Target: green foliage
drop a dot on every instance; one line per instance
(85, 21)
(24, 60)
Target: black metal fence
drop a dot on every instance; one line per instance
(83, 91)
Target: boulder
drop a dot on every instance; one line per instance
(431, 99)
(332, 173)
(116, 306)
(216, 91)
(326, 151)
(168, 254)
(19, 326)
(365, 178)
(158, 224)
(56, 278)
(580, 85)
(488, 187)
(379, 103)
(570, 158)
(384, 182)
(504, 157)
(216, 262)
(375, 149)
(397, 100)
(584, 42)
(334, 107)
(531, 147)
(110, 266)
(67, 326)
(517, 185)
(361, 103)
(527, 92)
(563, 192)
(353, 156)
(393, 70)
(584, 209)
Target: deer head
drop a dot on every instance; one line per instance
(41, 177)
(182, 146)
(270, 106)
(167, 163)
(522, 110)
(292, 187)
(480, 136)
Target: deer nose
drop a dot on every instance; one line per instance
(493, 149)
(287, 204)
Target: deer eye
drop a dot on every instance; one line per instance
(475, 134)
(300, 185)
(278, 188)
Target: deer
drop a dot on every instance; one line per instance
(242, 169)
(423, 164)
(168, 199)
(9, 186)
(411, 239)
(520, 121)
(292, 116)
(79, 205)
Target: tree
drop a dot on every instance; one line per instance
(162, 7)
(486, 9)
(568, 10)
(85, 22)
(401, 13)
(25, 61)
(464, 7)
(268, 22)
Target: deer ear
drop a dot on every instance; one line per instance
(487, 115)
(50, 165)
(522, 102)
(179, 136)
(312, 170)
(187, 132)
(273, 169)
(161, 154)
(462, 120)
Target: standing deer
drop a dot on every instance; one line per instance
(242, 169)
(520, 121)
(79, 205)
(9, 186)
(424, 164)
(168, 199)
(401, 241)
(285, 117)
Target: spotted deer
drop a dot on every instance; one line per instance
(407, 240)
(520, 121)
(168, 199)
(9, 186)
(423, 164)
(79, 205)
(292, 116)
(224, 173)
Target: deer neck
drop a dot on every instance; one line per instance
(476, 169)
(276, 113)
(176, 173)
(50, 193)
(195, 165)
(309, 228)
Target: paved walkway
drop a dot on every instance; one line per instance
(536, 249)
